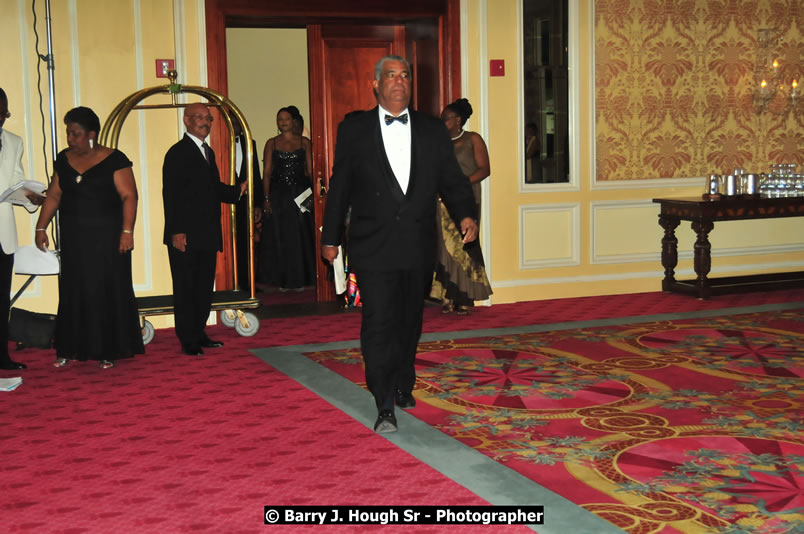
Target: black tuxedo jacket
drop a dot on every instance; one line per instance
(192, 193)
(388, 229)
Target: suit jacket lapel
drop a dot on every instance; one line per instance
(415, 138)
(191, 143)
(211, 166)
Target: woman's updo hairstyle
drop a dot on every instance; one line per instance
(84, 117)
(461, 108)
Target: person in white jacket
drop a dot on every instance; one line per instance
(11, 172)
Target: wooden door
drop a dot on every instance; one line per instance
(422, 51)
(341, 64)
(428, 35)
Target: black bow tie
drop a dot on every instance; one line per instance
(402, 118)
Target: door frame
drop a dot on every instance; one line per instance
(222, 14)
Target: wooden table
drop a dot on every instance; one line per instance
(704, 214)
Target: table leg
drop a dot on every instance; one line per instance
(703, 257)
(669, 250)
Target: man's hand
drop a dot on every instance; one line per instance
(468, 229)
(243, 186)
(329, 253)
(180, 242)
(35, 198)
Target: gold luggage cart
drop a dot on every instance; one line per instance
(230, 303)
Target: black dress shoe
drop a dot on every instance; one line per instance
(386, 422)
(192, 351)
(11, 365)
(211, 344)
(404, 400)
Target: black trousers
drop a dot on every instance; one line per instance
(6, 267)
(390, 329)
(193, 273)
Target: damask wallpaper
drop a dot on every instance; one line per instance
(674, 83)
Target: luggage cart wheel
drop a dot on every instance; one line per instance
(228, 318)
(247, 324)
(147, 332)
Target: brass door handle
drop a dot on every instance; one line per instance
(322, 192)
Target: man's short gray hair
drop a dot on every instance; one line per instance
(381, 62)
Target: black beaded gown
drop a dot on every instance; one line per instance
(288, 243)
(97, 317)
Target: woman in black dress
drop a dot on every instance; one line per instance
(288, 259)
(94, 190)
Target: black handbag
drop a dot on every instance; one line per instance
(31, 329)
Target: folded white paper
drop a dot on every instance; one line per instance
(16, 193)
(300, 200)
(10, 384)
(339, 272)
(31, 260)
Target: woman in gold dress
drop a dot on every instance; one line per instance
(460, 274)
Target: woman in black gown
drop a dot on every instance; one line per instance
(94, 190)
(288, 244)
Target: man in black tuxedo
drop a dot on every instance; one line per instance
(391, 164)
(192, 192)
(241, 213)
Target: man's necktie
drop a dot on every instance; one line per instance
(402, 118)
(207, 153)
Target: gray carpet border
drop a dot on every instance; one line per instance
(481, 475)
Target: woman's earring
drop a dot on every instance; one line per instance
(91, 144)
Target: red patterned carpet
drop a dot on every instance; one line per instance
(680, 426)
(165, 443)
(168, 443)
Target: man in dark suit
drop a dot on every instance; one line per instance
(192, 192)
(241, 213)
(391, 164)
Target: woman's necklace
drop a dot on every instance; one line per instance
(78, 178)
(458, 136)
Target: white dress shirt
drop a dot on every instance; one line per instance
(396, 139)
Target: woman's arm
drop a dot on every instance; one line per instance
(127, 189)
(481, 159)
(49, 208)
(267, 163)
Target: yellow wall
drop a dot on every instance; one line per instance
(103, 51)
(541, 241)
(267, 70)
